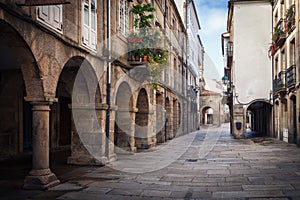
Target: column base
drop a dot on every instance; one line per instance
(112, 157)
(79, 160)
(40, 179)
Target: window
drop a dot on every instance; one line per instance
(89, 21)
(283, 63)
(51, 15)
(292, 52)
(123, 17)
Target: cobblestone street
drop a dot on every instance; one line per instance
(214, 166)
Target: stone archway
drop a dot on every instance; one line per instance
(16, 61)
(142, 138)
(207, 116)
(160, 118)
(169, 120)
(25, 126)
(79, 113)
(260, 118)
(175, 117)
(293, 120)
(124, 119)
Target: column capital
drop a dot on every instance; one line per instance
(41, 100)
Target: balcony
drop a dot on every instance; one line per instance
(291, 76)
(191, 91)
(280, 82)
(290, 19)
(279, 35)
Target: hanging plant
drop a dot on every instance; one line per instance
(271, 51)
(157, 58)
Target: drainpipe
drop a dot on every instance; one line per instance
(186, 64)
(165, 95)
(182, 83)
(273, 114)
(108, 84)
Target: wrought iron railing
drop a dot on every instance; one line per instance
(279, 34)
(290, 19)
(280, 81)
(291, 76)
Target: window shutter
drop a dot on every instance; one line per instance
(44, 13)
(57, 17)
(86, 23)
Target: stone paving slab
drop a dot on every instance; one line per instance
(212, 166)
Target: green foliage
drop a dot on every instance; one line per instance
(143, 14)
(157, 58)
(277, 33)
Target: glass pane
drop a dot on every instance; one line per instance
(86, 15)
(93, 19)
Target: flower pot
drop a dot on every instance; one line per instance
(137, 57)
(145, 58)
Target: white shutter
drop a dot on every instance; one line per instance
(56, 20)
(44, 13)
(86, 23)
(89, 23)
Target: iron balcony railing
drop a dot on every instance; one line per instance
(279, 34)
(192, 91)
(290, 19)
(291, 76)
(280, 81)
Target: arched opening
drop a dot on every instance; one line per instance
(259, 118)
(142, 120)
(207, 116)
(175, 117)
(169, 131)
(293, 108)
(19, 78)
(123, 129)
(74, 118)
(277, 120)
(160, 118)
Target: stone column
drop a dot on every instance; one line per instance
(132, 129)
(88, 134)
(110, 146)
(40, 177)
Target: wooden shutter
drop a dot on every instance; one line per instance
(86, 23)
(44, 13)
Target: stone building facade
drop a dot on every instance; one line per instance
(284, 51)
(67, 82)
(248, 70)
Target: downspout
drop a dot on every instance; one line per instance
(108, 82)
(186, 65)
(182, 82)
(273, 75)
(165, 95)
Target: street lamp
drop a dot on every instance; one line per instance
(225, 79)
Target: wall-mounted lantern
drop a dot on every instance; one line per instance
(225, 79)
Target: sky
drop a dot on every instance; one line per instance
(213, 18)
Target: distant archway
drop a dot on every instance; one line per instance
(260, 118)
(207, 116)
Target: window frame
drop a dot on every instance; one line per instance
(88, 32)
(49, 19)
(124, 18)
